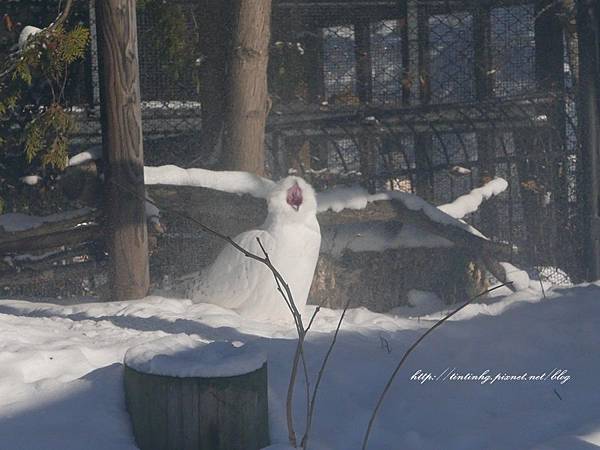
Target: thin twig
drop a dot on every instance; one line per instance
(539, 274)
(409, 351)
(320, 376)
(299, 353)
(282, 287)
(312, 319)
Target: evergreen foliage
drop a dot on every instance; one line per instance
(41, 65)
(168, 35)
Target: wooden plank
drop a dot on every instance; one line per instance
(83, 216)
(55, 239)
(127, 238)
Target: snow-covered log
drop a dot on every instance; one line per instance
(64, 238)
(469, 203)
(29, 233)
(185, 394)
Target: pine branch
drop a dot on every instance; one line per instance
(59, 21)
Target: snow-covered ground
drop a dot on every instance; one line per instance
(61, 369)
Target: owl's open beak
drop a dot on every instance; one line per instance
(294, 197)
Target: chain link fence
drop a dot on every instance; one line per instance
(436, 98)
(425, 96)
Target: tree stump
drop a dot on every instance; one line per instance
(184, 394)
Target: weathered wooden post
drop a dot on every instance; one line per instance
(127, 239)
(183, 394)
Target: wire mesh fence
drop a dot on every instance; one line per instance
(436, 98)
(425, 96)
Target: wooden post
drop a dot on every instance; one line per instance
(588, 27)
(247, 100)
(209, 397)
(127, 239)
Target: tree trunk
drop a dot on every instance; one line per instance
(127, 238)
(247, 110)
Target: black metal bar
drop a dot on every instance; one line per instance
(588, 27)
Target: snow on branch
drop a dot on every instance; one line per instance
(338, 199)
(91, 154)
(227, 181)
(358, 198)
(469, 203)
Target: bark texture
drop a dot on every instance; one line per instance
(127, 239)
(172, 413)
(247, 100)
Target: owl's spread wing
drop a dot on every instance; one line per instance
(233, 278)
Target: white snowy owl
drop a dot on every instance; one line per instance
(292, 238)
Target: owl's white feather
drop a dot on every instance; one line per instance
(292, 238)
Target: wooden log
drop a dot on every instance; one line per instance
(127, 236)
(61, 238)
(80, 217)
(396, 211)
(183, 412)
(381, 281)
(81, 183)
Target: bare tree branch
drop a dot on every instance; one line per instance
(282, 287)
(320, 376)
(409, 351)
(62, 16)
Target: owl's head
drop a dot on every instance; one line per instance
(293, 197)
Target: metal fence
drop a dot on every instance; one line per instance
(435, 98)
(427, 96)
